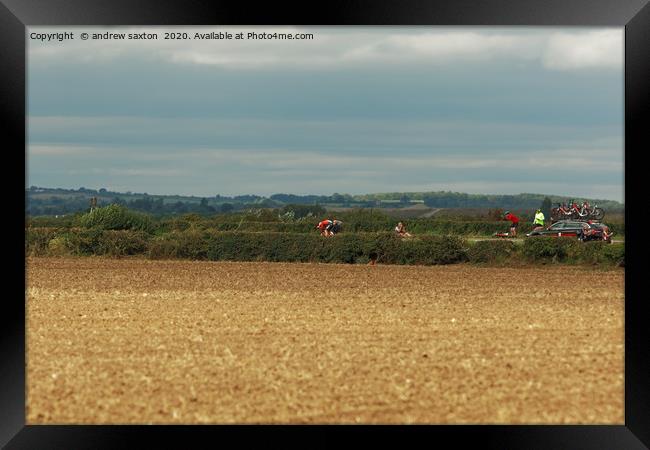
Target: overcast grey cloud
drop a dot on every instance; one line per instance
(355, 110)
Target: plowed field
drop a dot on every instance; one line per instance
(139, 341)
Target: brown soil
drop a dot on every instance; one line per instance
(138, 341)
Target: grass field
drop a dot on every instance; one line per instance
(139, 341)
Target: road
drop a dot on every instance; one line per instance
(520, 240)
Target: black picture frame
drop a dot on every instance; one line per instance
(634, 15)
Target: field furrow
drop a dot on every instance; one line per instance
(141, 341)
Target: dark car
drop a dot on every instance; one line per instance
(605, 234)
(583, 231)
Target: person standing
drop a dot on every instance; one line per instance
(514, 222)
(539, 218)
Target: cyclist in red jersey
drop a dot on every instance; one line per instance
(515, 222)
(324, 227)
(329, 227)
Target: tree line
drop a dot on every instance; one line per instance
(47, 201)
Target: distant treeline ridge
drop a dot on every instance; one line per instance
(49, 201)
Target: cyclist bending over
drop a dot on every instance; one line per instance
(329, 227)
(400, 229)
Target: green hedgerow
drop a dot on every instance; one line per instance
(116, 217)
(491, 251)
(615, 254)
(351, 248)
(123, 243)
(84, 242)
(37, 240)
(59, 246)
(546, 248)
(572, 251)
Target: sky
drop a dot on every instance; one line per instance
(354, 110)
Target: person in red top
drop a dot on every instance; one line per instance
(515, 222)
(324, 226)
(329, 227)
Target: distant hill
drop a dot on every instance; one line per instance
(54, 201)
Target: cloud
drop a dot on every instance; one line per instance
(601, 49)
(60, 150)
(567, 160)
(372, 108)
(148, 172)
(86, 168)
(445, 47)
(208, 171)
(410, 137)
(336, 47)
(284, 162)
